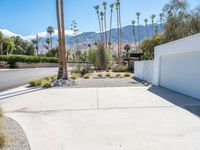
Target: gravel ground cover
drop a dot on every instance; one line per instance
(16, 138)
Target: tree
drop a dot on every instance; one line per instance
(146, 26)
(65, 74)
(36, 42)
(161, 20)
(8, 46)
(60, 70)
(134, 35)
(120, 24)
(1, 43)
(156, 29)
(105, 24)
(118, 31)
(152, 22)
(98, 16)
(138, 19)
(127, 48)
(48, 42)
(50, 30)
(111, 15)
(102, 26)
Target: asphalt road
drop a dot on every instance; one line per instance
(17, 77)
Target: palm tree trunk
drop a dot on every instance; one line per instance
(118, 30)
(110, 30)
(100, 26)
(65, 74)
(51, 41)
(134, 37)
(60, 70)
(147, 30)
(106, 39)
(139, 34)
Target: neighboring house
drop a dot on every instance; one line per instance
(176, 66)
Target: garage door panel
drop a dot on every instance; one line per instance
(181, 72)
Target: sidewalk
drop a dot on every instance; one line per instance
(104, 118)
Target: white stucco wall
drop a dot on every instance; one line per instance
(177, 66)
(144, 70)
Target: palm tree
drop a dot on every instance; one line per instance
(1, 43)
(50, 30)
(156, 29)
(152, 21)
(60, 70)
(36, 42)
(98, 15)
(118, 31)
(161, 20)
(138, 19)
(146, 25)
(65, 74)
(111, 14)
(134, 36)
(105, 23)
(120, 24)
(102, 26)
(48, 42)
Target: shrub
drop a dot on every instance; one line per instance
(2, 139)
(118, 75)
(12, 60)
(82, 70)
(127, 75)
(100, 75)
(87, 76)
(108, 75)
(120, 68)
(43, 82)
(73, 77)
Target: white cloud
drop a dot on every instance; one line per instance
(8, 33)
(44, 34)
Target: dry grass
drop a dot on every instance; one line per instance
(2, 134)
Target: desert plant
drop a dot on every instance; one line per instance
(118, 75)
(2, 139)
(120, 68)
(100, 75)
(108, 75)
(127, 75)
(87, 76)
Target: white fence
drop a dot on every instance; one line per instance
(144, 70)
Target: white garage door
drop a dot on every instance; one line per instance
(181, 72)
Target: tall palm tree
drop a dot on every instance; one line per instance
(65, 74)
(98, 16)
(120, 24)
(138, 20)
(118, 31)
(36, 42)
(152, 21)
(146, 25)
(134, 36)
(111, 15)
(156, 29)
(60, 70)
(161, 20)
(50, 30)
(48, 42)
(102, 25)
(105, 23)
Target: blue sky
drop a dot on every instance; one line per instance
(32, 16)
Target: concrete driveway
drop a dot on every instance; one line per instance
(134, 118)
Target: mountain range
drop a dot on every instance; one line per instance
(90, 37)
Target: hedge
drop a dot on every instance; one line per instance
(13, 59)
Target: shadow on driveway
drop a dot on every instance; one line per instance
(188, 103)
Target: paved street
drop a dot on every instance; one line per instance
(141, 118)
(18, 77)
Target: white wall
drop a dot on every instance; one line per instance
(177, 66)
(144, 70)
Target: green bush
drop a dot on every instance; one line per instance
(127, 75)
(118, 75)
(120, 68)
(87, 76)
(12, 60)
(82, 70)
(43, 82)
